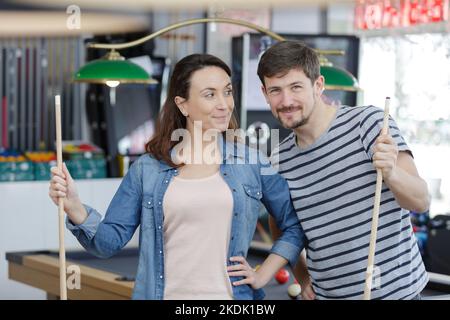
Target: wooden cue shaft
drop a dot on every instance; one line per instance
(376, 210)
(62, 252)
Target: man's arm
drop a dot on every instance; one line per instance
(400, 175)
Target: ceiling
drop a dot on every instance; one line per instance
(31, 18)
(173, 4)
(55, 23)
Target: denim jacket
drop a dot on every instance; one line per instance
(139, 201)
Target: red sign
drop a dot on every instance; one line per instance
(378, 14)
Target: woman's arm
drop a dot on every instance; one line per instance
(277, 200)
(300, 270)
(107, 237)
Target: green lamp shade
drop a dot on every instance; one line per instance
(338, 79)
(103, 70)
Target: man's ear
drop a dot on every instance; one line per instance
(320, 85)
(263, 89)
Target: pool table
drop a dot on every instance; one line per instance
(111, 278)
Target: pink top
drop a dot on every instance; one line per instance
(197, 226)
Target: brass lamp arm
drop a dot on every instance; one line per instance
(183, 24)
(197, 21)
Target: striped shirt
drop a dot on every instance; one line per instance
(332, 185)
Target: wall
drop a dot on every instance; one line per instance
(173, 48)
(297, 20)
(308, 20)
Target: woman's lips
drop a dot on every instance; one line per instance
(221, 118)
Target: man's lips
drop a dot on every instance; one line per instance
(289, 111)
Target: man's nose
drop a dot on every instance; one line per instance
(287, 99)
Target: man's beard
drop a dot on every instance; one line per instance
(294, 125)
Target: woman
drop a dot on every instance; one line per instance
(197, 201)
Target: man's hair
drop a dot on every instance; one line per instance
(284, 56)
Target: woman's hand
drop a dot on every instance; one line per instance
(243, 269)
(63, 186)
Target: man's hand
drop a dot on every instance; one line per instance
(308, 291)
(385, 153)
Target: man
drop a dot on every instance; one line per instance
(330, 161)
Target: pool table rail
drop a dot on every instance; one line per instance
(41, 270)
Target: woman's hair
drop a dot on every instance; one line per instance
(170, 118)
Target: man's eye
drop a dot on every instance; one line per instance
(296, 87)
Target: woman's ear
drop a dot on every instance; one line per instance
(179, 101)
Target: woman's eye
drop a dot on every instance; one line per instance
(209, 95)
(229, 92)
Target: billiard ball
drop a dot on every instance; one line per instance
(282, 276)
(294, 290)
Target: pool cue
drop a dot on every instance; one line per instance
(376, 210)
(62, 252)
